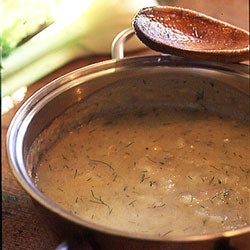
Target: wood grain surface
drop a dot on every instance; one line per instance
(20, 227)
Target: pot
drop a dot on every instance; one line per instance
(119, 85)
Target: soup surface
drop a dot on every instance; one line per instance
(161, 172)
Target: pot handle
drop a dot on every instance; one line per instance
(117, 48)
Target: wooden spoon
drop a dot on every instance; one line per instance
(188, 33)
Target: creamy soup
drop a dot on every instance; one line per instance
(161, 172)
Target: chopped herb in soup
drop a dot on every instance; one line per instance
(159, 172)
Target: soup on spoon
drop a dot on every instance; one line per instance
(188, 33)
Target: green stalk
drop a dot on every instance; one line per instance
(51, 39)
(39, 68)
(92, 32)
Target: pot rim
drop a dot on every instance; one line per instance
(24, 115)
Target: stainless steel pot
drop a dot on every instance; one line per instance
(226, 88)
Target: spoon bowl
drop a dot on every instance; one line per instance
(188, 33)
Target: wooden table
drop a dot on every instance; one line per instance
(21, 229)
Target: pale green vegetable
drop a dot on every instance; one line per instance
(80, 28)
(24, 18)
